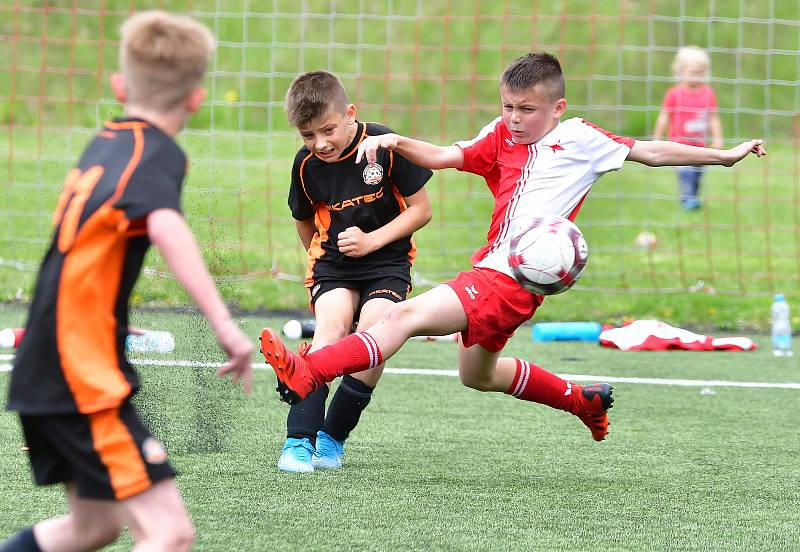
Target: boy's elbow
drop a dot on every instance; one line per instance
(427, 218)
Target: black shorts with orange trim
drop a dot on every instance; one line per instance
(386, 287)
(108, 455)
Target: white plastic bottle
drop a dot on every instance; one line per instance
(781, 327)
(150, 342)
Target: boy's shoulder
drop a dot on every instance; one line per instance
(376, 129)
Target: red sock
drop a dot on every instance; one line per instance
(355, 353)
(534, 383)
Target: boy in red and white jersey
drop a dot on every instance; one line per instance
(534, 165)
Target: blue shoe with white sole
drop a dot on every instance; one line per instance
(329, 453)
(296, 456)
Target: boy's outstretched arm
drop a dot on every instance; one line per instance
(421, 153)
(657, 153)
(168, 231)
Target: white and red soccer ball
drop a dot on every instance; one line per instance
(549, 255)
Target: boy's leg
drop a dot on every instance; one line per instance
(487, 371)
(436, 312)
(158, 519)
(89, 525)
(334, 309)
(352, 396)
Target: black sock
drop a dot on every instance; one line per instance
(306, 417)
(350, 400)
(23, 541)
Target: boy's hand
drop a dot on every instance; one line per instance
(239, 349)
(734, 155)
(369, 146)
(353, 242)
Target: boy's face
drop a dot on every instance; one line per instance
(529, 114)
(328, 135)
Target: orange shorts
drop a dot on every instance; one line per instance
(495, 304)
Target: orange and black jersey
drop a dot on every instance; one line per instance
(72, 358)
(342, 194)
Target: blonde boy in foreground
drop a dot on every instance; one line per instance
(71, 383)
(534, 165)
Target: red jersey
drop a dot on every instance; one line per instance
(689, 111)
(550, 177)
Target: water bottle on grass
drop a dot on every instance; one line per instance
(150, 341)
(781, 327)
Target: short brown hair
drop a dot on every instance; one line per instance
(536, 68)
(311, 95)
(163, 57)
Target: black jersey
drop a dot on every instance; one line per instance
(342, 194)
(72, 357)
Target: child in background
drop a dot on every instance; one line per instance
(355, 220)
(689, 115)
(533, 164)
(71, 384)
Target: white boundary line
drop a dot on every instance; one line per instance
(454, 373)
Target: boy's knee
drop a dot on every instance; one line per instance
(332, 330)
(474, 381)
(399, 312)
(96, 533)
(180, 537)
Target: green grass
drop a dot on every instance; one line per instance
(436, 466)
(436, 79)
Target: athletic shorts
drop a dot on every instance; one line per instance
(387, 287)
(495, 304)
(108, 455)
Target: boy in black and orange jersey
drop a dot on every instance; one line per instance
(355, 221)
(71, 383)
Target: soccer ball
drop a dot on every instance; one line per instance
(645, 241)
(549, 255)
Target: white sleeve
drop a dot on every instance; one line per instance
(607, 150)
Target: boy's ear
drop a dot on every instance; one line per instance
(350, 113)
(195, 100)
(561, 107)
(117, 81)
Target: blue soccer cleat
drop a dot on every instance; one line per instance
(329, 452)
(296, 456)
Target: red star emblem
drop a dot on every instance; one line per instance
(556, 147)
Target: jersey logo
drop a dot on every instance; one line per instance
(471, 291)
(153, 452)
(509, 142)
(354, 201)
(555, 147)
(373, 173)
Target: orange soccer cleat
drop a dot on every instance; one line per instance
(295, 380)
(594, 402)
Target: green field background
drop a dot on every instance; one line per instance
(430, 69)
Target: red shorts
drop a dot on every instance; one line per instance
(495, 304)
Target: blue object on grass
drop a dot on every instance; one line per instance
(566, 331)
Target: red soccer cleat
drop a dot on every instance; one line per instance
(295, 380)
(594, 402)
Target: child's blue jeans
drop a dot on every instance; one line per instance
(689, 180)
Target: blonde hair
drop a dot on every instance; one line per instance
(691, 55)
(311, 95)
(163, 57)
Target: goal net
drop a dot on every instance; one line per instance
(428, 69)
